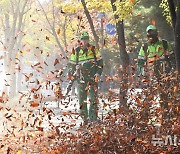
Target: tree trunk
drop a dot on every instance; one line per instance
(102, 35)
(64, 32)
(172, 12)
(124, 62)
(122, 45)
(175, 16)
(11, 44)
(19, 80)
(96, 38)
(12, 82)
(177, 36)
(124, 59)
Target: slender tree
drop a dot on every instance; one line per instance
(96, 38)
(123, 56)
(177, 36)
(175, 16)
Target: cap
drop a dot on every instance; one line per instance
(151, 27)
(84, 35)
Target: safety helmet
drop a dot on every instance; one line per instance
(84, 35)
(151, 27)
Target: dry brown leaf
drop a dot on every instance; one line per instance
(56, 62)
(34, 104)
(47, 38)
(58, 31)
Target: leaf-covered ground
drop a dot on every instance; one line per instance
(29, 128)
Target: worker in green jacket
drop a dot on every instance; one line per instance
(155, 60)
(86, 66)
(155, 56)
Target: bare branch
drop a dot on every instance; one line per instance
(23, 8)
(28, 9)
(54, 17)
(49, 31)
(21, 14)
(14, 24)
(45, 14)
(53, 31)
(3, 25)
(12, 6)
(90, 23)
(71, 26)
(7, 20)
(78, 26)
(64, 32)
(172, 12)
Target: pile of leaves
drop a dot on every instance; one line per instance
(122, 130)
(116, 134)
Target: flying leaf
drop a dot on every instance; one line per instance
(139, 139)
(138, 100)
(58, 31)
(47, 38)
(56, 62)
(39, 128)
(34, 104)
(80, 17)
(83, 27)
(175, 89)
(37, 64)
(28, 50)
(9, 116)
(108, 78)
(26, 78)
(153, 22)
(45, 63)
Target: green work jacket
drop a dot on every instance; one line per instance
(90, 63)
(155, 54)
